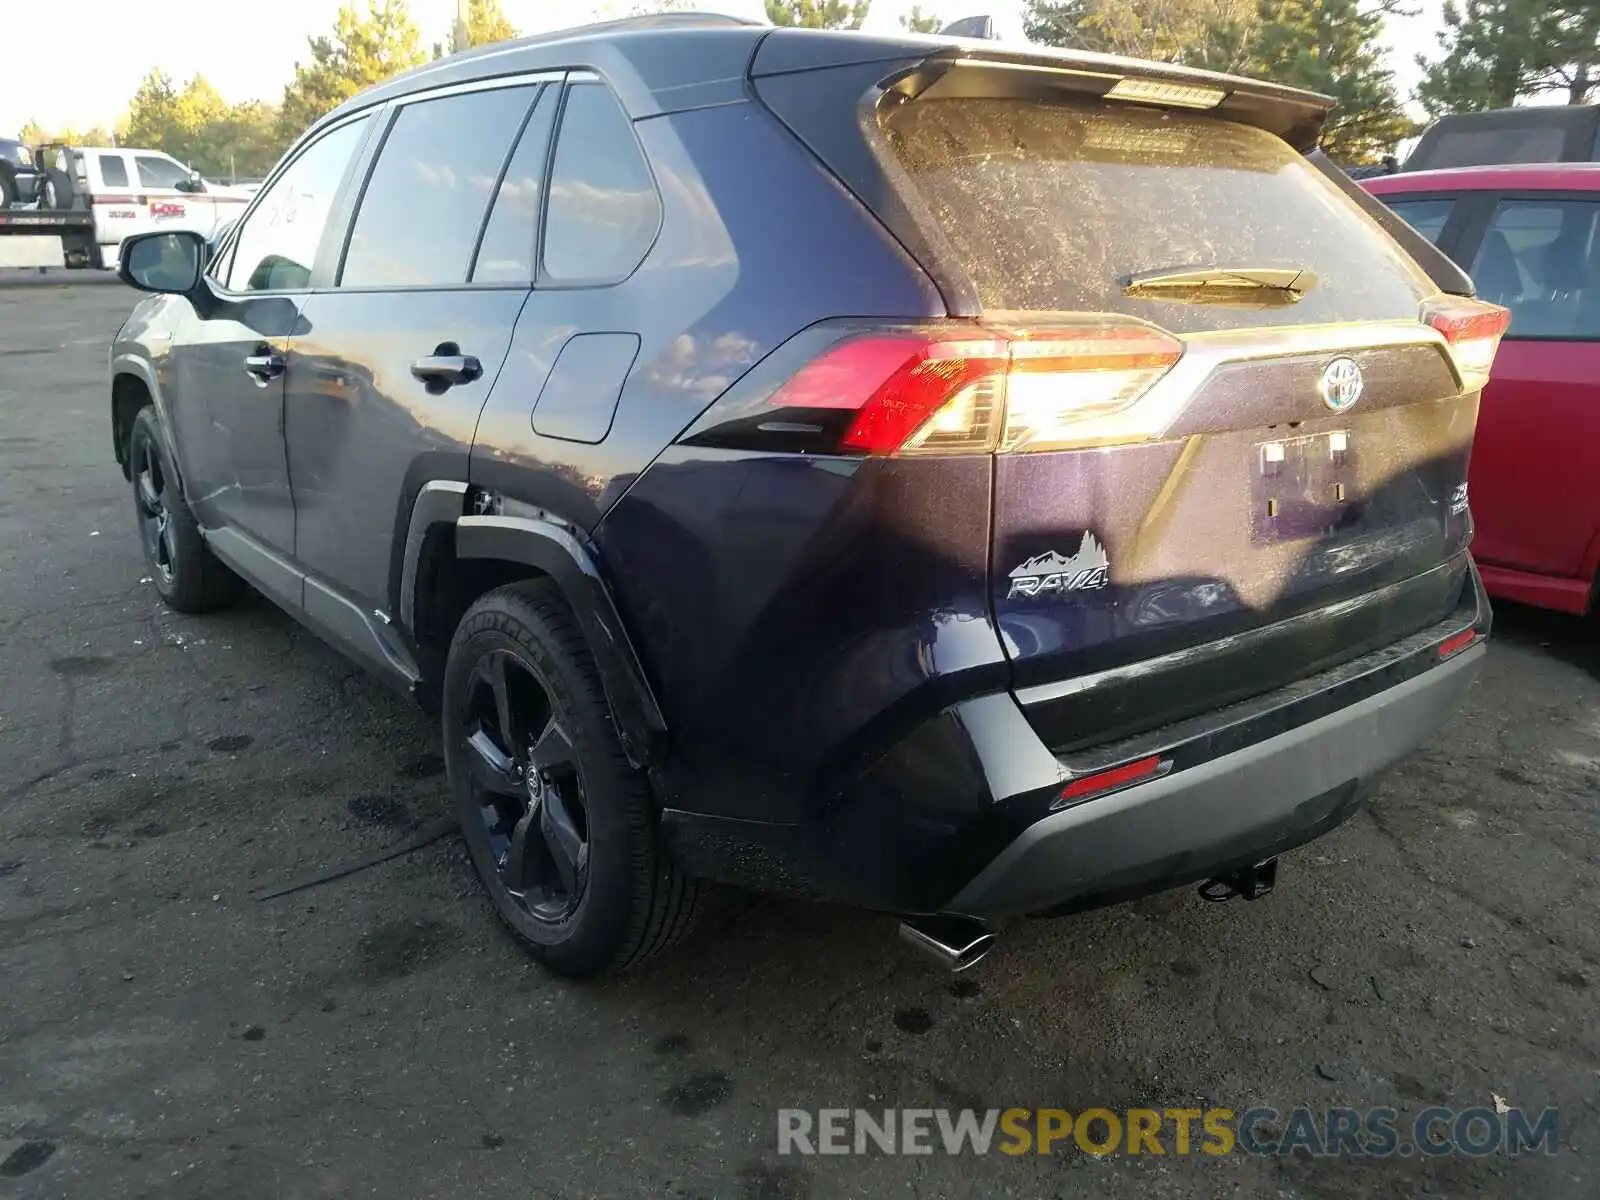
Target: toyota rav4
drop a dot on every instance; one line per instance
(957, 480)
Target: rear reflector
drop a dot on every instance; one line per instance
(1457, 642)
(969, 389)
(1472, 329)
(1111, 780)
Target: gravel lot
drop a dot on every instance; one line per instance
(165, 1034)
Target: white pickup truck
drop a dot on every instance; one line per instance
(124, 191)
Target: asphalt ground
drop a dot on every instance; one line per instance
(163, 1033)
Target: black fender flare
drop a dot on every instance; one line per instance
(559, 551)
(137, 367)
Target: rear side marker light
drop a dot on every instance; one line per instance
(972, 389)
(1456, 643)
(1472, 329)
(1112, 780)
(1176, 95)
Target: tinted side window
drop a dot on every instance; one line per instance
(159, 172)
(1538, 259)
(506, 252)
(603, 210)
(113, 170)
(1427, 217)
(277, 246)
(425, 200)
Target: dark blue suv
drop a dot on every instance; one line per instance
(957, 480)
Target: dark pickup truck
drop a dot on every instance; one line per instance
(19, 178)
(1537, 134)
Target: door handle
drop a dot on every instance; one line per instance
(446, 367)
(263, 367)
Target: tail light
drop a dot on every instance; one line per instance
(964, 389)
(1472, 329)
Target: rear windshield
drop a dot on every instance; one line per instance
(1052, 206)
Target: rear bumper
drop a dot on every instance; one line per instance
(965, 814)
(1229, 811)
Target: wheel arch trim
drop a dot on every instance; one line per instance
(137, 367)
(557, 552)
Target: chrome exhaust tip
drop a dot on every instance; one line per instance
(956, 943)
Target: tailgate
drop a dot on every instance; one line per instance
(1291, 438)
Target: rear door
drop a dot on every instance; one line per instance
(1307, 448)
(1537, 457)
(392, 365)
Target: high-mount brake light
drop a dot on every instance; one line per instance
(1472, 329)
(973, 389)
(1157, 91)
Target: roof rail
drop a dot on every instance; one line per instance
(661, 20)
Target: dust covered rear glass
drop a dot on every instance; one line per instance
(1053, 205)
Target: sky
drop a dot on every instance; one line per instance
(245, 57)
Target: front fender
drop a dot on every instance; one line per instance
(559, 552)
(137, 366)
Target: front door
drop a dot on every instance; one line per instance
(226, 410)
(392, 366)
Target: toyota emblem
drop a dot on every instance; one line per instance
(1340, 385)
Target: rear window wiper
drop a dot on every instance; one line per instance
(1223, 285)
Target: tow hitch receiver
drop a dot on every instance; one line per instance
(1247, 883)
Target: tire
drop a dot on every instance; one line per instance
(607, 899)
(187, 575)
(55, 189)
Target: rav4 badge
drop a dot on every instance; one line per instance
(1048, 573)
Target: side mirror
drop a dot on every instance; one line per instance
(193, 185)
(168, 261)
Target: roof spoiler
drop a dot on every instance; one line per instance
(999, 69)
(981, 28)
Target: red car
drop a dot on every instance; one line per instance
(1527, 235)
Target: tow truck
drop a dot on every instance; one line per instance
(44, 225)
(86, 200)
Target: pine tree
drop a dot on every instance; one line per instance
(1495, 51)
(818, 14)
(486, 23)
(152, 112)
(1181, 31)
(1331, 46)
(362, 51)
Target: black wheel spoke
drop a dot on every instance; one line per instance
(567, 849)
(169, 551)
(502, 699)
(552, 753)
(149, 495)
(492, 770)
(514, 868)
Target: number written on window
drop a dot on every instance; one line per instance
(277, 246)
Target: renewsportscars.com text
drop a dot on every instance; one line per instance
(1373, 1132)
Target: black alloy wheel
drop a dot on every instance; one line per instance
(150, 501)
(561, 828)
(527, 788)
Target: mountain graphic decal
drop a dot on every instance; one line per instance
(1052, 572)
(1091, 554)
